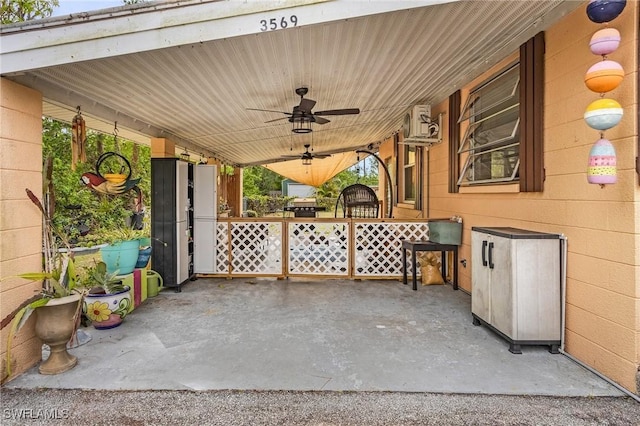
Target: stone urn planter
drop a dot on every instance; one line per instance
(107, 310)
(55, 324)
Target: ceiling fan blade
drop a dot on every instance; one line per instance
(306, 105)
(320, 120)
(269, 110)
(344, 111)
(320, 155)
(276, 119)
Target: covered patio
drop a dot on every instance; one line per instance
(210, 79)
(330, 335)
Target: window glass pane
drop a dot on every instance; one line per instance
(493, 95)
(497, 127)
(409, 184)
(409, 174)
(500, 129)
(409, 155)
(496, 165)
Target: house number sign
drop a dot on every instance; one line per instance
(273, 24)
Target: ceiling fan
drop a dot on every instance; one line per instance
(302, 116)
(306, 156)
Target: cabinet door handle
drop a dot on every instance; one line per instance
(490, 255)
(484, 258)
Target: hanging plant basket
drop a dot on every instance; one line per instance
(113, 167)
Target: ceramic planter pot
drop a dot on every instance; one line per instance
(121, 257)
(55, 324)
(107, 310)
(143, 257)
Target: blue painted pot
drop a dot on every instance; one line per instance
(121, 257)
(143, 257)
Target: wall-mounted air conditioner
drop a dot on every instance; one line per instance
(419, 128)
(415, 121)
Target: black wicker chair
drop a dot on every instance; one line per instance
(358, 201)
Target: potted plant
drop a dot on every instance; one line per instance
(57, 306)
(107, 301)
(122, 251)
(223, 208)
(119, 244)
(116, 223)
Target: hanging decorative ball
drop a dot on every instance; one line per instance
(602, 163)
(600, 11)
(605, 41)
(603, 114)
(604, 76)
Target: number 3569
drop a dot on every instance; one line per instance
(278, 23)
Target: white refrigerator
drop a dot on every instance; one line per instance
(205, 214)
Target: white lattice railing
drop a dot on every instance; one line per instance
(366, 248)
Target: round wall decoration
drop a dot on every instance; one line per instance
(605, 41)
(604, 76)
(603, 114)
(602, 163)
(600, 11)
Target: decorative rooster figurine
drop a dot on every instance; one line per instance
(103, 186)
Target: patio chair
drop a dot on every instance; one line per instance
(358, 201)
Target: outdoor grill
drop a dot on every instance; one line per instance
(304, 207)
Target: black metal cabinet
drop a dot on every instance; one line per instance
(172, 220)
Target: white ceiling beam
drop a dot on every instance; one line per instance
(57, 41)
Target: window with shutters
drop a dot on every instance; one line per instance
(491, 142)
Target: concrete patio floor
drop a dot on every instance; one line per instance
(340, 335)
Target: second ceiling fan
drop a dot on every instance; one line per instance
(306, 156)
(302, 113)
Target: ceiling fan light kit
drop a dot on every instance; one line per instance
(301, 125)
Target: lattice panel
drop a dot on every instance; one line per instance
(319, 248)
(378, 249)
(256, 248)
(222, 247)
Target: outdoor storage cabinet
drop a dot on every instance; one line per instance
(516, 285)
(172, 220)
(205, 202)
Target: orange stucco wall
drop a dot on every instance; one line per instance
(602, 225)
(20, 222)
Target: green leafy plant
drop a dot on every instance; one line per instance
(61, 281)
(104, 236)
(99, 281)
(59, 278)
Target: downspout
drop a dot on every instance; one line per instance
(425, 188)
(563, 287)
